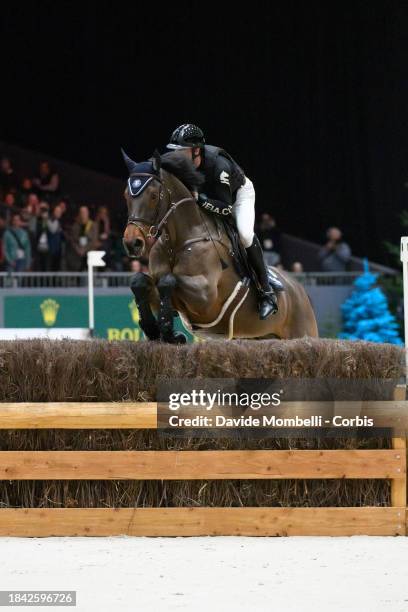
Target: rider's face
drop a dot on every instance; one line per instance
(197, 158)
(189, 153)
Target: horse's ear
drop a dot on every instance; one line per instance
(130, 164)
(156, 162)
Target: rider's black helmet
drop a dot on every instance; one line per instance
(186, 136)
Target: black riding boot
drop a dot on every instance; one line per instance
(268, 303)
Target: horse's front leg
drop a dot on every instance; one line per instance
(166, 286)
(142, 287)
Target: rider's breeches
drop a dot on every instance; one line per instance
(243, 212)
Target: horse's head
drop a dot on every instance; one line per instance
(144, 197)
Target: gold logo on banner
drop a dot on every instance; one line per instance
(49, 309)
(134, 311)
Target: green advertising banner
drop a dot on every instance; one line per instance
(116, 316)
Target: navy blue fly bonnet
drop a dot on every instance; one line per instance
(137, 184)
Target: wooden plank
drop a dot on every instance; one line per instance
(45, 522)
(143, 415)
(193, 465)
(79, 415)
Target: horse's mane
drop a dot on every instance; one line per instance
(182, 168)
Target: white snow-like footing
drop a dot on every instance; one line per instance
(211, 574)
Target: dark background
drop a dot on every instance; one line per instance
(312, 100)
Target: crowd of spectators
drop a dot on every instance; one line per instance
(42, 230)
(334, 256)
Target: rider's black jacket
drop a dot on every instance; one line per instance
(223, 178)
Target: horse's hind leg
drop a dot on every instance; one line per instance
(141, 286)
(166, 285)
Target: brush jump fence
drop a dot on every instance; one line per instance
(189, 465)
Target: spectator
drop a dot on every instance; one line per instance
(135, 266)
(335, 255)
(83, 238)
(17, 247)
(103, 225)
(49, 239)
(28, 215)
(8, 178)
(68, 216)
(56, 239)
(41, 247)
(47, 182)
(10, 199)
(25, 191)
(297, 267)
(62, 204)
(34, 202)
(139, 265)
(7, 207)
(145, 264)
(26, 186)
(119, 259)
(269, 237)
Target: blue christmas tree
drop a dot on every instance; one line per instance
(366, 315)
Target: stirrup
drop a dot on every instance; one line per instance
(269, 295)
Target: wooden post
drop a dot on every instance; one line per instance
(399, 487)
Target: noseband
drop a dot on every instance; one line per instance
(154, 227)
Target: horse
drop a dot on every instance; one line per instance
(191, 267)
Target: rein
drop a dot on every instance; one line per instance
(168, 213)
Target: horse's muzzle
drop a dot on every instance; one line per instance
(134, 248)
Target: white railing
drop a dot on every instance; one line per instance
(105, 280)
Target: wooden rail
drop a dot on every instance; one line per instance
(76, 415)
(201, 465)
(46, 522)
(143, 415)
(192, 465)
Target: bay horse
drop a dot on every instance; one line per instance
(191, 268)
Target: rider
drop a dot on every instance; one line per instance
(229, 192)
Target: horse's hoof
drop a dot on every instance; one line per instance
(151, 333)
(179, 338)
(176, 338)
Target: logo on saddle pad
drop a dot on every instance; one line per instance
(224, 178)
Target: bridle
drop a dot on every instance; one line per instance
(155, 224)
